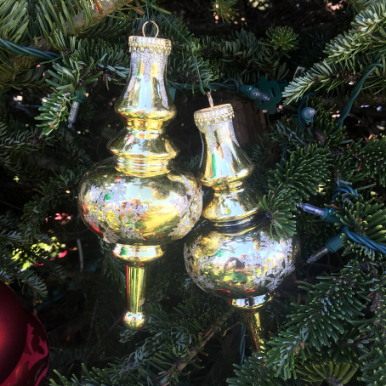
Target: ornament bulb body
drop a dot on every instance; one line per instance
(140, 199)
(233, 254)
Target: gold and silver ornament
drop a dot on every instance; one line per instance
(232, 254)
(140, 199)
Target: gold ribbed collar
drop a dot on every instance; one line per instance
(214, 115)
(157, 45)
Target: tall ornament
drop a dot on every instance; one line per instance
(232, 254)
(140, 199)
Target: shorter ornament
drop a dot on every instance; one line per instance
(233, 255)
(32, 365)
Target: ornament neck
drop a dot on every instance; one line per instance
(146, 109)
(224, 165)
(141, 153)
(146, 104)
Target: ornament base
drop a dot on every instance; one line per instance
(258, 324)
(252, 304)
(255, 317)
(137, 253)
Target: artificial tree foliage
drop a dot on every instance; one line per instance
(328, 320)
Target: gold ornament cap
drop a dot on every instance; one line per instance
(213, 114)
(153, 44)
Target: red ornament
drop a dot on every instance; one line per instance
(32, 364)
(13, 331)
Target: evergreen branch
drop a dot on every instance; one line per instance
(19, 150)
(347, 54)
(213, 329)
(334, 374)
(364, 217)
(223, 9)
(243, 56)
(332, 303)
(366, 36)
(113, 267)
(287, 131)
(13, 20)
(299, 177)
(54, 110)
(318, 77)
(370, 158)
(11, 269)
(172, 345)
(89, 62)
(359, 5)
(373, 368)
(32, 79)
(255, 372)
(282, 38)
(31, 280)
(49, 194)
(85, 18)
(323, 130)
(279, 205)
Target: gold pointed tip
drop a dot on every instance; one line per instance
(134, 321)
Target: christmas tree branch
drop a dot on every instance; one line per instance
(335, 301)
(207, 336)
(101, 9)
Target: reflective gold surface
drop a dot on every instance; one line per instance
(233, 255)
(253, 303)
(135, 211)
(258, 324)
(242, 264)
(239, 262)
(256, 318)
(140, 199)
(135, 318)
(225, 167)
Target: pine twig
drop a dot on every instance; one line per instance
(208, 334)
(22, 63)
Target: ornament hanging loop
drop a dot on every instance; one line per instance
(156, 26)
(209, 95)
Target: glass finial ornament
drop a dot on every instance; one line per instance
(232, 254)
(139, 200)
